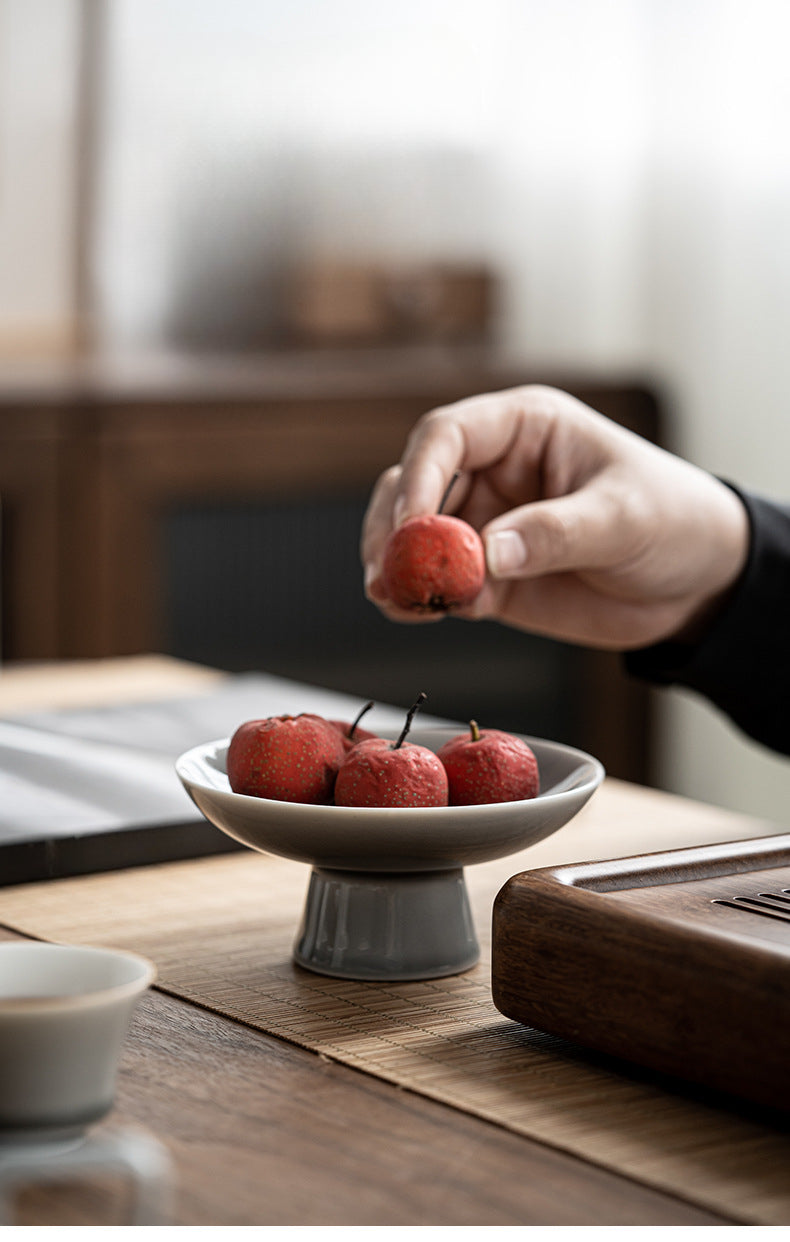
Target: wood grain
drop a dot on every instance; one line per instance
(264, 1133)
(638, 959)
(221, 930)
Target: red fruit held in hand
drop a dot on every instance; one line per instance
(287, 758)
(433, 564)
(382, 773)
(488, 765)
(350, 731)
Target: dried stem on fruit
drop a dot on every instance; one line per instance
(447, 491)
(416, 705)
(359, 716)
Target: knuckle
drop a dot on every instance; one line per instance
(425, 431)
(390, 478)
(436, 437)
(541, 396)
(438, 419)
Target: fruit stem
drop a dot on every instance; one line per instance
(416, 705)
(473, 725)
(447, 491)
(359, 716)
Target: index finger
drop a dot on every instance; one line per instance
(469, 435)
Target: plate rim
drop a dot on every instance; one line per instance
(587, 784)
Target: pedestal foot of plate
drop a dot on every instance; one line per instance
(368, 925)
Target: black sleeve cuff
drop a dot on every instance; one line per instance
(743, 662)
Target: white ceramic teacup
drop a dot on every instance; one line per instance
(64, 1013)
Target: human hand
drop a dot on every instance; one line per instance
(592, 534)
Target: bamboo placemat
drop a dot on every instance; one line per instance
(221, 931)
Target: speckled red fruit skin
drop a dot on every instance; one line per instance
(376, 774)
(360, 735)
(287, 758)
(498, 767)
(433, 563)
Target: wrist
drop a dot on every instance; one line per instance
(726, 563)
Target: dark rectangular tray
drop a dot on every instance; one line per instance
(677, 961)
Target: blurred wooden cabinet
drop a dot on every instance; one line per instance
(98, 455)
(31, 505)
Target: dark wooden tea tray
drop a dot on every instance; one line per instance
(679, 961)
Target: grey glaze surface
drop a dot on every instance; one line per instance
(386, 897)
(393, 839)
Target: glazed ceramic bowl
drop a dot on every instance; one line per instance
(393, 839)
(64, 1013)
(387, 897)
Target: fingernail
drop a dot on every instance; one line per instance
(505, 552)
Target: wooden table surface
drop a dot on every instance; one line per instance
(262, 1132)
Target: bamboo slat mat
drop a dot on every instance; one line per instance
(221, 931)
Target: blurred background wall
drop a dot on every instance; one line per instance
(621, 165)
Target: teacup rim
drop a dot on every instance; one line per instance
(60, 1001)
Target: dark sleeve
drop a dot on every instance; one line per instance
(743, 662)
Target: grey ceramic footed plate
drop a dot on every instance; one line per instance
(393, 838)
(387, 898)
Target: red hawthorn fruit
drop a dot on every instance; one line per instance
(489, 765)
(375, 773)
(382, 773)
(433, 563)
(287, 758)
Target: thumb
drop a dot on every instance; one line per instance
(580, 531)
